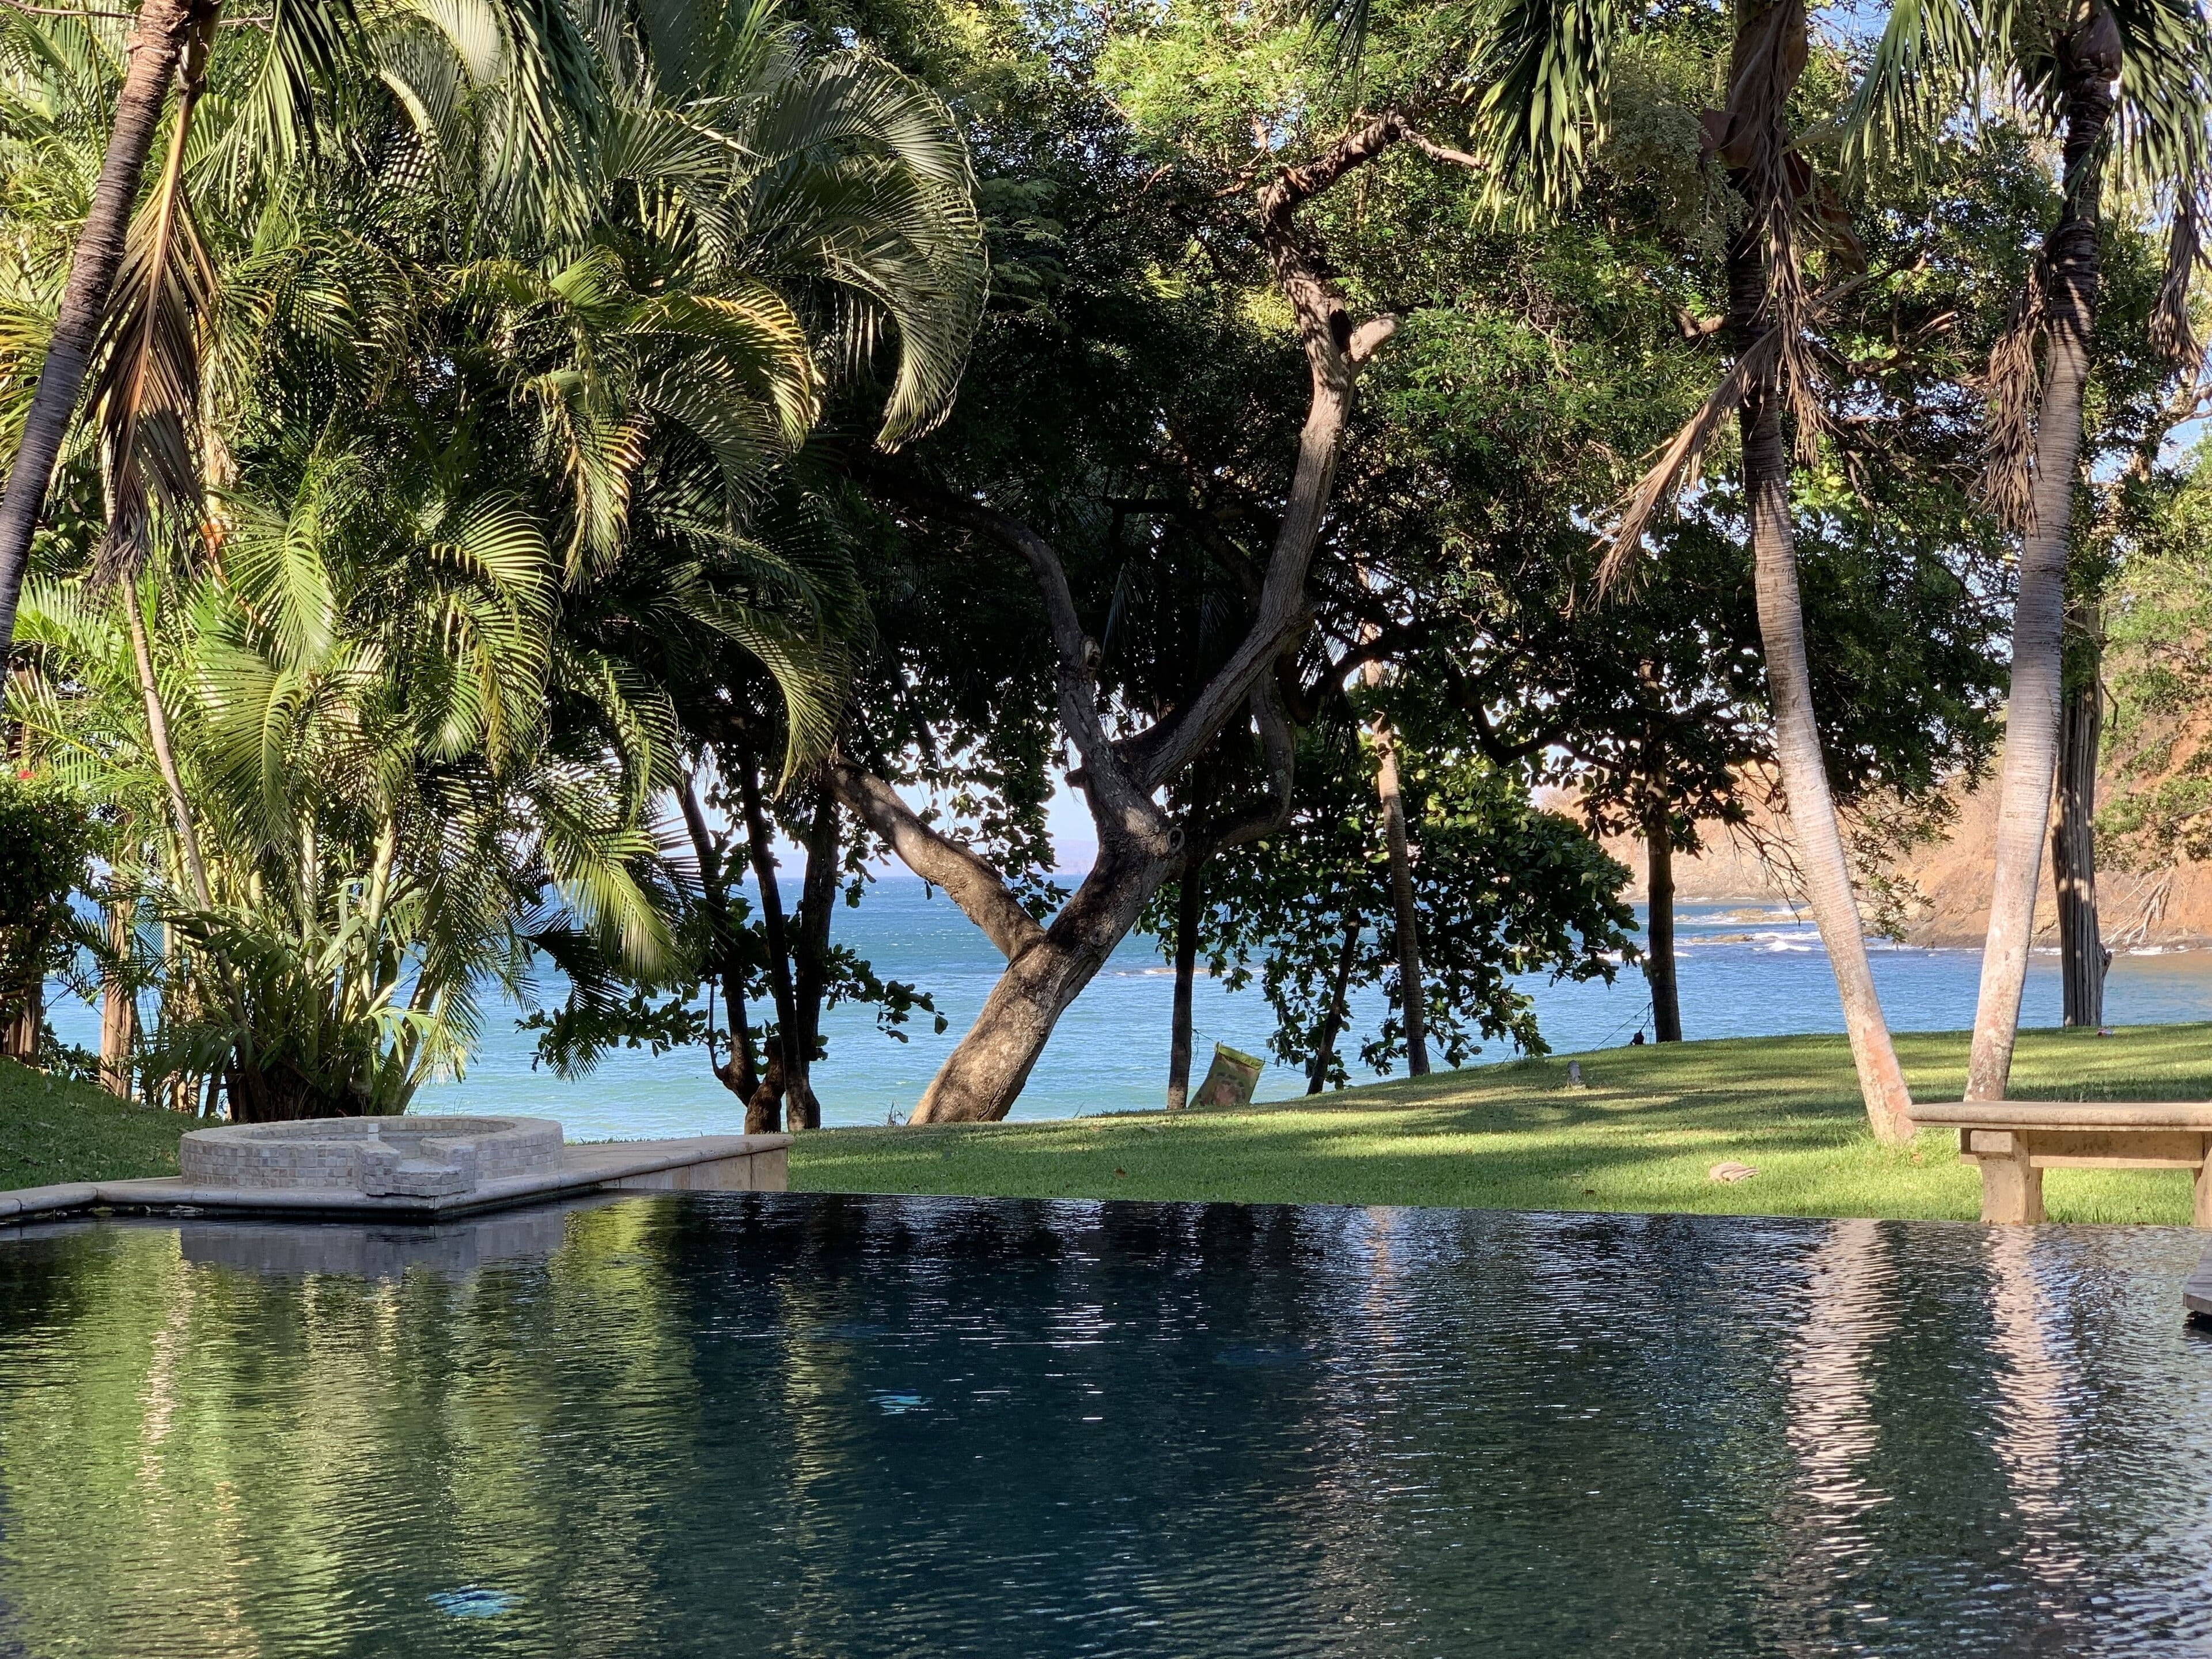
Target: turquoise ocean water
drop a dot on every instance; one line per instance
(1746, 970)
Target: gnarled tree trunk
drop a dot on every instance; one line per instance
(157, 46)
(982, 1077)
(2092, 58)
(1121, 779)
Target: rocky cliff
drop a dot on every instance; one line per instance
(2170, 908)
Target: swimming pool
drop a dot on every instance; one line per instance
(730, 1423)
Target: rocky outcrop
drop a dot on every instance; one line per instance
(1946, 884)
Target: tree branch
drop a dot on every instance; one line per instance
(1120, 802)
(1279, 745)
(969, 882)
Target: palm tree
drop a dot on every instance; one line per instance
(392, 800)
(2128, 80)
(300, 43)
(1549, 86)
(457, 413)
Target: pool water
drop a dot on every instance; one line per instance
(736, 1424)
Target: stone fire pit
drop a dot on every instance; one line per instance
(380, 1157)
(411, 1168)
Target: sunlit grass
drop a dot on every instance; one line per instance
(1640, 1135)
(53, 1131)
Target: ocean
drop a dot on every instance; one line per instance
(1745, 970)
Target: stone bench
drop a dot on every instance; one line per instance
(2014, 1142)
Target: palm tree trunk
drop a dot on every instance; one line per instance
(1822, 862)
(2081, 953)
(2038, 631)
(164, 756)
(1659, 925)
(157, 46)
(1821, 859)
(1188, 908)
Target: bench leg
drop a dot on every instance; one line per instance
(2012, 1190)
(2204, 1195)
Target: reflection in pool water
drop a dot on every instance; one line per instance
(722, 1423)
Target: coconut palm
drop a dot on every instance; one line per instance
(2112, 79)
(1546, 68)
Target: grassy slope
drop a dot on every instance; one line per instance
(1640, 1135)
(53, 1130)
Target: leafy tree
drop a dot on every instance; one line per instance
(1502, 891)
(43, 840)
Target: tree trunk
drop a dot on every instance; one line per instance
(1822, 860)
(19, 1030)
(1047, 968)
(1331, 1019)
(1659, 925)
(1411, 994)
(763, 1113)
(738, 1074)
(2082, 954)
(817, 899)
(1188, 908)
(165, 757)
(982, 1076)
(2038, 630)
(118, 1006)
(1820, 855)
(156, 45)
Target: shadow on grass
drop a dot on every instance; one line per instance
(1639, 1133)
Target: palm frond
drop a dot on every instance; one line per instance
(1548, 68)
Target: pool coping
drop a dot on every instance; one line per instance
(2196, 1294)
(689, 1163)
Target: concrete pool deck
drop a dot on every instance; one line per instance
(692, 1164)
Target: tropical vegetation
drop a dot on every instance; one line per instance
(496, 484)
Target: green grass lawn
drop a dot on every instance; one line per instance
(1640, 1135)
(53, 1130)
